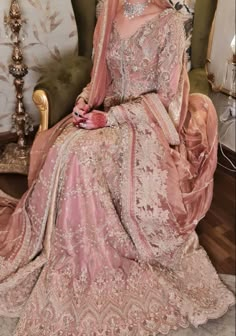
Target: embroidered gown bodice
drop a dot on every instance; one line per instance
(140, 62)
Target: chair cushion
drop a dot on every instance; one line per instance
(198, 81)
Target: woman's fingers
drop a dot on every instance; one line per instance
(88, 124)
(98, 118)
(78, 120)
(86, 108)
(92, 120)
(78, 115)
(78, 111)
(81, 105)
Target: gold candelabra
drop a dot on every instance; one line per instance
(22, 123)
(15, 157)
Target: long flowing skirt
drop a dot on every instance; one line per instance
(103, 242)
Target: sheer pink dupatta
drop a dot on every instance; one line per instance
(100, 75)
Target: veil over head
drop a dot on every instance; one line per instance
(100, 75)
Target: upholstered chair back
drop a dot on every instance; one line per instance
(203, 18)
(85, 14)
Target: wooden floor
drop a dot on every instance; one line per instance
(217, 230)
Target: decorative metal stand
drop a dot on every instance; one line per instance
(16, 156)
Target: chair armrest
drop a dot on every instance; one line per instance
(41, 101)
(57, 89)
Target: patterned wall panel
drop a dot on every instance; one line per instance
(50, 32)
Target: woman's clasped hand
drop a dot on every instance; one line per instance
(83, 118)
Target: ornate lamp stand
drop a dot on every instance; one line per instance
(15, 158)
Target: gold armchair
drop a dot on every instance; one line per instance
(55, 93)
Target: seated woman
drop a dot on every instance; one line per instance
(104, 242)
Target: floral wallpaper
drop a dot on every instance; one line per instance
(49, 32)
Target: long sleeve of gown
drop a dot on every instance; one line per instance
(171, 63)
(85, 93)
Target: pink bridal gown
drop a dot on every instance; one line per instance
(103, 242)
